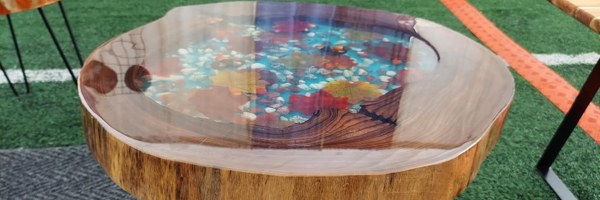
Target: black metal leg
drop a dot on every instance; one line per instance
(60, 51)
(12, 87)
(16, 44)
(586, 95)
(62, 10)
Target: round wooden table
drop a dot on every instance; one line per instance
(247, 100)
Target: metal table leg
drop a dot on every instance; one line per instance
(62, 11)
(587, 93)
(16, 44)
(12, 86)
(56, 43)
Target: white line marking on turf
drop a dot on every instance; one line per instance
(46, 75)
(565, 59)
(62, 75)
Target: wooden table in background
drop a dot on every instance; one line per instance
(586, 11)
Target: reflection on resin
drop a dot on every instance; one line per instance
(319, 76)
(296, 67)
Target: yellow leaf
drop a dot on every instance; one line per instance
(355, 91)
(297, 60)
(243, 81)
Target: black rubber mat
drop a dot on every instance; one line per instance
(54, 173)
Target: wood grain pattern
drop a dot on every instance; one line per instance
(379, 108)
(425, 139)
(150, 177)
(328, 129)
(586, 11)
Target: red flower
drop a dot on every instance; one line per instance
(316, 101)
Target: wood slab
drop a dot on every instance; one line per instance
(425, 139)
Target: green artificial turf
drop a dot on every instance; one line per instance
(508, 173)
(539, 26)
(576, 74)
(50, 115)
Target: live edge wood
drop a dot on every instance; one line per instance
(428, 142)
(150, 177)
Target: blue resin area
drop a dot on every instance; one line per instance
(198, 65)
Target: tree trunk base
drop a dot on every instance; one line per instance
(149, 177)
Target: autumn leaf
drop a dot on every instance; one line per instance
(217, 103)
(297, 61)
(354, 91)
(268, 76)
(179, 100)
(394, 52)
(330, 61)
(239, 81)
(316, 101)
(267, 119)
